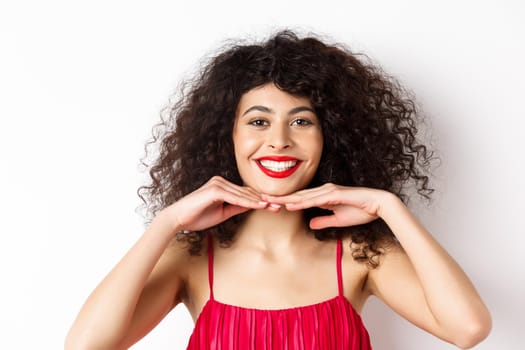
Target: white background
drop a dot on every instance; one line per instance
(81, 85)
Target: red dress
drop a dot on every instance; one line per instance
(331, 324)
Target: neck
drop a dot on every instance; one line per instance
(266, 230)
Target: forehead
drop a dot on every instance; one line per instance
(272, 97)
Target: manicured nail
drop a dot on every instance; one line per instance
(263, 203)
(276, 206)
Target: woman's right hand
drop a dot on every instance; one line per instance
(214, 202)
(151, 273)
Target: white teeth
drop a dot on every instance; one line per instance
(278, 166)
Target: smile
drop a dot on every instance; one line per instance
(278, 167)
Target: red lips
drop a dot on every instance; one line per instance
(278, 174)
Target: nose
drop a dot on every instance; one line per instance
(279, 137)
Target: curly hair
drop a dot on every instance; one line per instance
(368, 120)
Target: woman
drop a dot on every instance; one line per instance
(286, 164)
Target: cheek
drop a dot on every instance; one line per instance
(317, 145)
(245, 145)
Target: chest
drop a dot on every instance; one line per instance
(261, 283)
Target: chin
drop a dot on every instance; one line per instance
(278, 193)
(277, 190)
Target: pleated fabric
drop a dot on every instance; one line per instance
(331, 324)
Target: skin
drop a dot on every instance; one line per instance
(274, 261)
(270, 122)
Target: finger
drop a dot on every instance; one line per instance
(262, 204)
(275, 208)
(297, 196)
(323, 200)
(327, 199)
(226, 185)
(320, 222)
(233, 194)
(227, 195)
(243, 201)
(240, 189)
(291, 198)
(232, 210)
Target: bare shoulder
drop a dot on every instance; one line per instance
(392, 253)
(355, 275)
(393, 264)
(170, 272)
(350, 253)
(177, 265)
(164, 289)
(364, 272)
(192, 271)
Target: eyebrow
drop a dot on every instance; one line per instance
(271, 111)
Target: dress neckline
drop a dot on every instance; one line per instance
(211, 302)
(211, 298)
(299, 307)
(330, 323)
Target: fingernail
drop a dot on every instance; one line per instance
(263, 203)
(276, 206)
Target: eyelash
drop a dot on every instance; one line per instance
(304, 122)
(256, 122)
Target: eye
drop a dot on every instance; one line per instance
(258, 122)
(301, 122)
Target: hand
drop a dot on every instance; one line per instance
(350, 205)
(212, 203)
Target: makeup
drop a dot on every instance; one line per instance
(278, 166)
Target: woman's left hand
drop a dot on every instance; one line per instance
(350, 205)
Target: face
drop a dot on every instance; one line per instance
(277, 139)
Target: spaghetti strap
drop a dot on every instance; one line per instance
(330, 324)
(338, 263)
(210, 264)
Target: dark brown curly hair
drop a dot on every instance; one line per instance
(369, 124)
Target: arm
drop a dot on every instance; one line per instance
(146, 284)
(424, 284)
(418, 279)
(134, 296)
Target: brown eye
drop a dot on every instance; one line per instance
(258, 122)
(301, 122)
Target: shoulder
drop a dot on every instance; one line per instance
(366, 256)
(393, 266)
(354, 274)
(175, 267)
(349, 261)
(180, 261)
(191, 270)
(368, 263)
